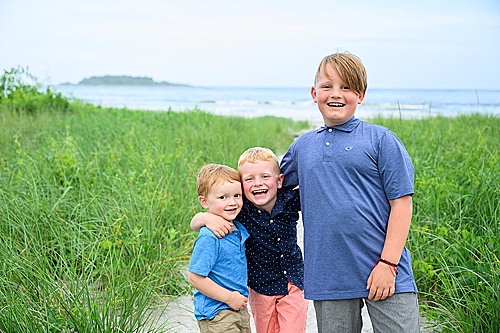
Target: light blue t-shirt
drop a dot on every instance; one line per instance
(347, 175)
(223, 261)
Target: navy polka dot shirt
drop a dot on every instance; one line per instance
(273, 255)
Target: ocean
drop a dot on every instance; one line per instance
(294, 103)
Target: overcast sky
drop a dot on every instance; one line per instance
(403, 44)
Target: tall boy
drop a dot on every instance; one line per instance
(356, 187)
(275, 265)
(218, 267)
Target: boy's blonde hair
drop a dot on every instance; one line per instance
(257, 154)
(212, 174)
(349, 68)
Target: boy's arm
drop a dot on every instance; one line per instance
(381, 282)
(218, 225)
(287, 167)
(209, 288)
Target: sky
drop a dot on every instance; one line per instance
(437, 44)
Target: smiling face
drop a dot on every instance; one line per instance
(261, 181)
(336, 101)
(223, 199)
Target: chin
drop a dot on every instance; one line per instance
(261, 202)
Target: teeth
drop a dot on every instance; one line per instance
(335, 104)
(260, 192)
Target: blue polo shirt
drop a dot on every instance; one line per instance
(223, 261)
(347, 175)
(272, 252)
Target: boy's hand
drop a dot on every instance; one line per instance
(237, 301)
(381, 282)
(209, 288)
(219, 226)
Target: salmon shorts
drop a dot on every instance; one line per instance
(281, 313)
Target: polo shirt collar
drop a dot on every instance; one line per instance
(348, 126)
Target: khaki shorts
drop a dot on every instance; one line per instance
(228, 321)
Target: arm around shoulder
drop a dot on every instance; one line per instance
(219, 226)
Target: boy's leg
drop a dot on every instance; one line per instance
(342, 316)
(264, 312)
(292, 310)
(398, 313)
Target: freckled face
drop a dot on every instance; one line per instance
(336, 101)
(261, 182)
(224, 199)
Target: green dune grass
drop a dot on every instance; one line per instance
(95, 207)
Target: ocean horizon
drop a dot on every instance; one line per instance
(295, 103)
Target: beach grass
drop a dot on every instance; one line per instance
(95, 205)
(456, 222)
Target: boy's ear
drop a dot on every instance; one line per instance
(203, 202)
(313, 94)
(281, 177)
(361, 98)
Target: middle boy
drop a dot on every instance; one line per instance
(275, 264)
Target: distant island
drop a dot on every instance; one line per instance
(123, 80)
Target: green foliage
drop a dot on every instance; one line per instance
(454, 237)
(95, 206)
(20, 91)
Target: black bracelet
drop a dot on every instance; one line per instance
(391, 265)
(387, 262)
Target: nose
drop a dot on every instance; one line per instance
(336, 93)
(232, 201)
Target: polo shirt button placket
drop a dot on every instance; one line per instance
(328, 137)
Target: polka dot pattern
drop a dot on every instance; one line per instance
(273, 255)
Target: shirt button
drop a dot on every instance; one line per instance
(271, 221)
(327, 143)
(329, 130)
(281, 255)
(284, 272)
(279, 239)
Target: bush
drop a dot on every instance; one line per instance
(20, 92)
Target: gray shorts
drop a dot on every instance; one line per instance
(398, 313)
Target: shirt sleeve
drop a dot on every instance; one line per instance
(395, 166)
(289, 168)
(204, 257)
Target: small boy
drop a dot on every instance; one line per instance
(356, 187)
(275, 264)
(218, 267)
